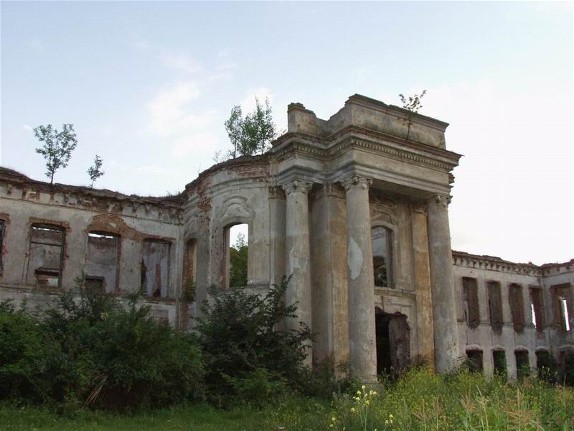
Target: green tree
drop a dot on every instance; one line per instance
(253, 133)
(95, 171)
(246, 355)
(57, 148)
(412, 105)
(238, 262)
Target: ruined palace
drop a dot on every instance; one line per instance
(354, 211)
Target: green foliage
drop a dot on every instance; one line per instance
(124, 358)
(57, 148)
(31, 365)
(238, 255)
(253, 133)
(95, 171)
(93, 351)
(241, 341)
(412, 105)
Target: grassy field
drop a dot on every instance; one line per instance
(419, 401)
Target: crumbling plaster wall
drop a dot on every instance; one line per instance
(310, 203)
(510, 339)
(79, 211)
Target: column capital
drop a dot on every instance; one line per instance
(355, 181)
(440, 200)
(297, 186)
(276, 192)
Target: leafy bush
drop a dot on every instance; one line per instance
(124, 358)
(31, 365)
(90, 350)
(242, 344)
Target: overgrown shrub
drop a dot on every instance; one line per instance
(32, 366)
(243, 347)
(124, 358)
(91, 350)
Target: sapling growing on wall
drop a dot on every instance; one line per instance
(95, 171)
(57, 148)
(412, 105)
(253, 133)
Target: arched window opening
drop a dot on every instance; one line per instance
(499, 362)
(237, 246)
(474, 360)
(382, 256)
(155, 268)
(46, 255)
(102, 261)
(522, 363)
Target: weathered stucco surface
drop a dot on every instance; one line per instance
(314, 204)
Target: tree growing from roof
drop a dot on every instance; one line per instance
(95, 171)
(412, 105)
(57, 148)
(253, 133)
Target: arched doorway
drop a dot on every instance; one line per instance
(393, 341)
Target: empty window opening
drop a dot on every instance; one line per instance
(190, 270)
(155, 268)
(495, 306)
(562, 306)
(1, 244)
(522, 363)
(516, 301)
(499, 362)
(237, 246)
(474, 360)
(545, 365)
(470, 295)
(393, 342)
(102, 260)
(46, 255)
(537, 308)
(382, 256)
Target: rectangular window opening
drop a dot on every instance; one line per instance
(516, 301)
(155, 268)
(537, 308)
(562, 306)
(495, 306)
(471, 306)
(46, 255)
(102, 260)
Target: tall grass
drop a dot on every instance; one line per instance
(420, 400)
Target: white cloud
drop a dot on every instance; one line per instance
(169, 109)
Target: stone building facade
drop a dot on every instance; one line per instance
(351, 209)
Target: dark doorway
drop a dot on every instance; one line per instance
(393, 341)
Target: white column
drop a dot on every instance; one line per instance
(362, 339)
(297, 254)
(444, 306)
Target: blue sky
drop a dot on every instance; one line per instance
(148, 86)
